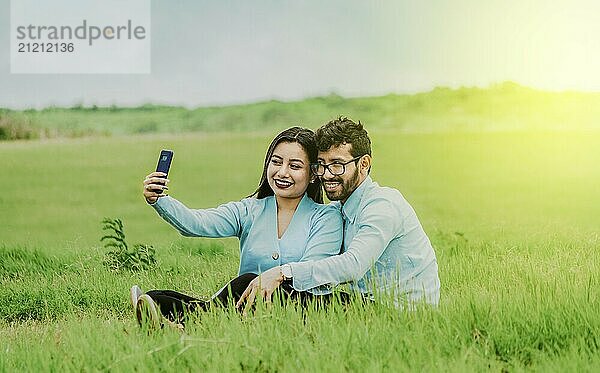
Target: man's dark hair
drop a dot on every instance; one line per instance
(344, 131)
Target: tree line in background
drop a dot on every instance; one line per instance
(501, 107)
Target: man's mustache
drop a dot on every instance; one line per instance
(335, 180)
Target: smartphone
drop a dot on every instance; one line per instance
(164, 163)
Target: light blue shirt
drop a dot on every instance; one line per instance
(385, 250)
(315, 231)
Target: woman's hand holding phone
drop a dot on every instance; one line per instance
(155, 184)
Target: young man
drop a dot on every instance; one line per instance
(385, 249)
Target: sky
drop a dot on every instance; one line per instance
(228, 52)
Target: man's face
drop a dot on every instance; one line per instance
(340, 187)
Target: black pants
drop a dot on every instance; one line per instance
(174, 305)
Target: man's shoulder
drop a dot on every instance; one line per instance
(383, 193)
(386, 201)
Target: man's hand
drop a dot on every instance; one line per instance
(265, 285)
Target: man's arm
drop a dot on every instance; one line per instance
(324, 240)
(325, 234)
(378, 223)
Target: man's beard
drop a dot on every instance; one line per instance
(347, 187)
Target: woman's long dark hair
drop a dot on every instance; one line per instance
(306, 139)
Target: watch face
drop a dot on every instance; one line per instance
(286, 270)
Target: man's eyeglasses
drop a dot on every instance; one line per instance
(335, 168)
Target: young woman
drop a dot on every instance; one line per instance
(283, 221)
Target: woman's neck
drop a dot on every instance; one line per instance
(287, 204)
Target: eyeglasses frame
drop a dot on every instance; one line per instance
(313, 166)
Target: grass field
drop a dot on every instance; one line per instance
(513, 217)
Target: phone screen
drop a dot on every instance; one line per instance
(164, 161)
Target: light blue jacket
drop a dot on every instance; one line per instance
(315, 231)
(385, 250)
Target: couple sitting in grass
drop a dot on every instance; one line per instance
(293, 244)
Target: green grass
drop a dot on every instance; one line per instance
(512, 215)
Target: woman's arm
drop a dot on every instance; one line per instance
(223, 221)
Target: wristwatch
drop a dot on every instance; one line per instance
(286, 271)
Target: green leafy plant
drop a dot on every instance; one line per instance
(120, 257)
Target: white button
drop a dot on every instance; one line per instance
(275, 255)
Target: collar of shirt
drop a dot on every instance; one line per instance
(304, 204)
(350, 207)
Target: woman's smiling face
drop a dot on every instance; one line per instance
(288, 172)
